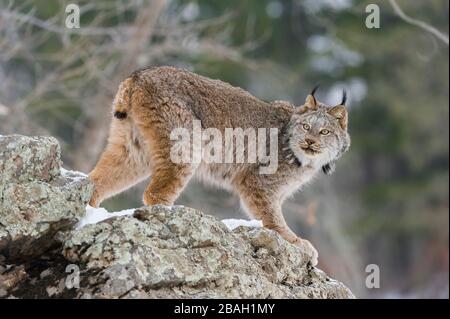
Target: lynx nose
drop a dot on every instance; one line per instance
(310, 141)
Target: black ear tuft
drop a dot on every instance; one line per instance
(314, 90)
(344, 97)
(328, 169)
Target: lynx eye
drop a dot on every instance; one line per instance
(306, 127)
(324, 132)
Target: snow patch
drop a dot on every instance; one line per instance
(74, 175)
(68, 172)
(235, 223)
(96, 215)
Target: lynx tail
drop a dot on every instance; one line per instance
(121, 102)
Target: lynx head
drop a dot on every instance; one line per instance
(318, 133)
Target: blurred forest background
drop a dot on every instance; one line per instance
(388, 202)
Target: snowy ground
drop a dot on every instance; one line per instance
(96, 215)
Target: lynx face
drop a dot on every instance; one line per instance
(318, 133)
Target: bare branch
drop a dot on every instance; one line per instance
(424, 26)
(83, 67)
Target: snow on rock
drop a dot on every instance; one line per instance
(96, 215)
(235, 223)
(93, 215)
(73, 174)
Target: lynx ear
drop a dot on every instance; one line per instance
(340, 113)
(310, 102)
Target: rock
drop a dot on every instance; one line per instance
(179, 252)
(36, 199)
(159, 252)
(11, 278)
(24, 159)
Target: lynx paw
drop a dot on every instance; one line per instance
(95, 200)
(150, 199)
(308, 249)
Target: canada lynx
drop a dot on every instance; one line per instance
(152, 102)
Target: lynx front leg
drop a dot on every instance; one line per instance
(268, 209)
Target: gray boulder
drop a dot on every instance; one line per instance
(37, 198)
(25, 159)
(179, 252)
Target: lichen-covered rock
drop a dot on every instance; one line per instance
(191, 255)
(37, 199)
(24, 159)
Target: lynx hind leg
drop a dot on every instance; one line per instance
(121, 165)
(168, 178)
(167, 182)
(267, 208)
(155, 121)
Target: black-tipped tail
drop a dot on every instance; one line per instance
(120, 115)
